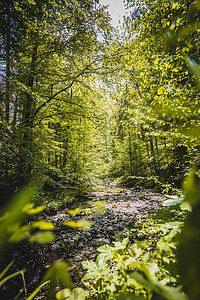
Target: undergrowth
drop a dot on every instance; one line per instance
(153, 262)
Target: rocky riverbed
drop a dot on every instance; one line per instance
(111, 210)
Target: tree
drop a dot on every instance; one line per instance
(157, 98)
(58, 49)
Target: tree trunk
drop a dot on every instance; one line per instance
(153, 154)
(15, 112)
(28, 116)
(64, 160)
(130, 153)
(26, 161)
(7, 107)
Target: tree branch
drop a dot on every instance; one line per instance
(61, 91)
(63, 113)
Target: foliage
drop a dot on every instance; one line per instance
(155, 101)
(13, 230)
(5, 279)
(47, 87)
(149, 267)
(154, 262)
(74, 105)
(75, 294)
(188, 257)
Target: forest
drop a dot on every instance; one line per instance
(99, 147)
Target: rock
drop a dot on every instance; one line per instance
(101, 241)
(110, 229)
(140, 236)
(55, 247)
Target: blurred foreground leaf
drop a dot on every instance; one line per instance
(192, 131)
(31, 210)
(13, 215)
(74, 211)
(43, 225)
(192, 188)
(100, 208)
(37, 290)
(84, 224)
(166, 292)
(58, 272)
(189, 245)
(195, 69)
(19, 234)
(42, 237)
(5, 279)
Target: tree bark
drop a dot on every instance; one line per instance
(25, 165)
(130, 153)
(7, 102)
(28, 116)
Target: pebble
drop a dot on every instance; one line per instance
(55, 247)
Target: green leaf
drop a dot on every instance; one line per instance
(29, 209)
(14, 213)
(153, 268)
(173, 201)
(57, 273)
(136, 249)
(65, 293)
(105, 249)
(19, 234)
(74, 211)
(84, 224)
(31, 2)
(6, 269)
(71, 224)
(185, 206)
(11, 276)
(43, 225)
(121, 245)
(189, 243)
(193, 131)
(43, 237)
(100, 208)
(95, 269)
(34, 293)
(168, 293)
(78, 294)
(160, 91)
(143, 269)
(194, 67)
(192, 188)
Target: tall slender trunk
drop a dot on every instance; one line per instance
(28, 116)
(56, 160)
(147, 147)
(49, 153)
(7, 107)
(130, 153)
(153, 154)
(25, 165)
